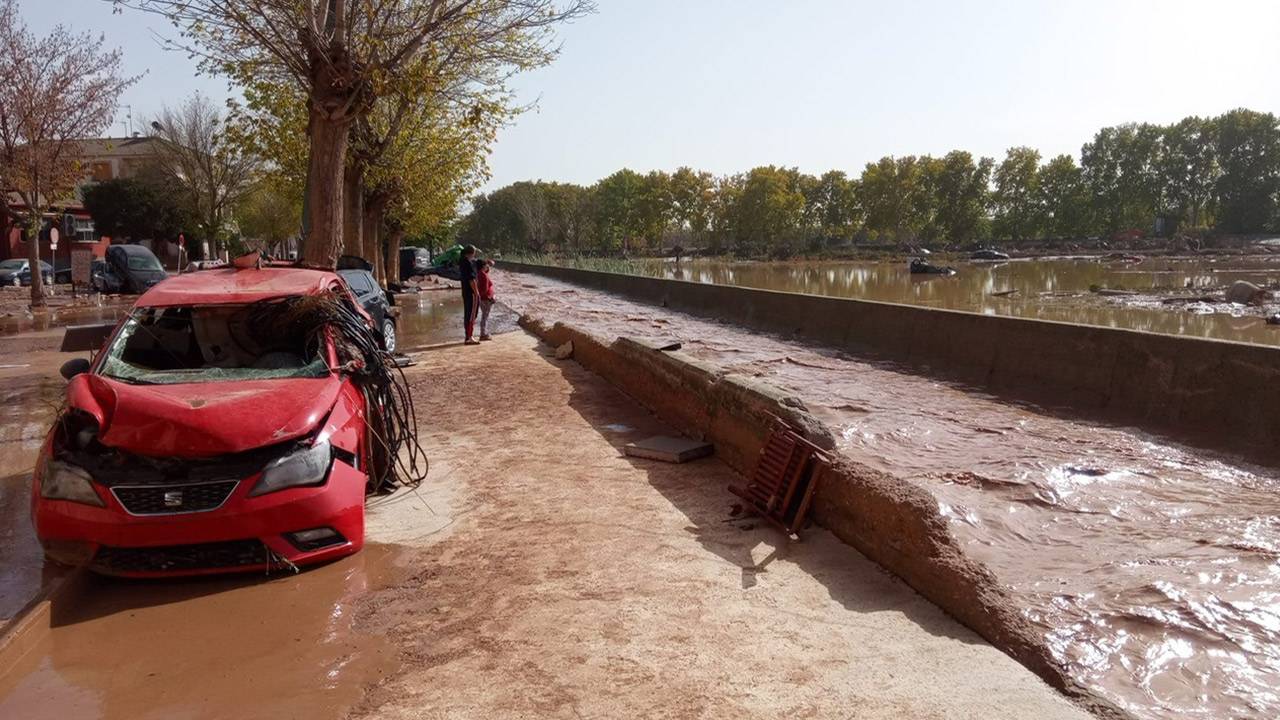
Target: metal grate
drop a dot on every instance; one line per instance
(785, 479)
(173, 499)
(171, 558)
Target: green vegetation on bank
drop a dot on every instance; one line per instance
(1196, 177)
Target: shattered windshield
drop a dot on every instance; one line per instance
(206, 344)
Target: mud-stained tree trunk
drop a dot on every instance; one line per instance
(391, 253)
(353, 215)
(325, 172)
(375, 207)
(38, 300)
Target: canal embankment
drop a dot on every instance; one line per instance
(1223, 395)
(896, 525)
(1144, 565)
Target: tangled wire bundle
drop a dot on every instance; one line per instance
(398, 458)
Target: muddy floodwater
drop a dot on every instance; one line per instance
(235, 647)
(1150, 568)
(1050, 289)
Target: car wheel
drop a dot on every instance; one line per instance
(389, 335)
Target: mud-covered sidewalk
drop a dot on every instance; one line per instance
(563, 579)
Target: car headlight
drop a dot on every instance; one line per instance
(64, 481)
(308, 466)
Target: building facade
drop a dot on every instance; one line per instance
(102, 159)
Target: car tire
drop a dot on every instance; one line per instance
(389, 335)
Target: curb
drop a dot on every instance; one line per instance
(23, 632)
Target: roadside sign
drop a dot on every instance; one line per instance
(53, 238)
(81, 266)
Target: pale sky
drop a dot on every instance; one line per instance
(725, 85)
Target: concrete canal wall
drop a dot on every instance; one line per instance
(894, 523)
(1212, 393)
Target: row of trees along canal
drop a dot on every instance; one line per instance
(1195, 177)
(369, 119)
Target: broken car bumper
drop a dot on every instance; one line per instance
(133, 536)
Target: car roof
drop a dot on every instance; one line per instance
(232, 286)
(132, 249)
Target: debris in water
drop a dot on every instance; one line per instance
(1111, 292)
(1246, 293)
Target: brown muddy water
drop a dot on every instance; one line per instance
(1049, 289)
(1152, 569)
(236, 647)
(435, 316)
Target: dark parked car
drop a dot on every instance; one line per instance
(129, 269)
(414, 261)
(18, 272)
(378, 303)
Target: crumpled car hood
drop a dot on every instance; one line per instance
(203, 419)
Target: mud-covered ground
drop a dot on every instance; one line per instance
(537, 573)
(574, 582)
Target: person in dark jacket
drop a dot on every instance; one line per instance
(470, 293)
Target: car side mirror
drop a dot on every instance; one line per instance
(74, 367)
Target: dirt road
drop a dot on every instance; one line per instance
(571, 581)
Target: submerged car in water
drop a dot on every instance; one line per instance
(202, 439)
(988, 254)
(919, 266)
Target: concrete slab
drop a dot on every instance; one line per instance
(668, 448)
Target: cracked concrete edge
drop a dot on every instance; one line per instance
(892, 522)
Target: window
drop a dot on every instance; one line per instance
(85, 231)
(102, 171)
(359, 282)
(139, 261)
(207, 344)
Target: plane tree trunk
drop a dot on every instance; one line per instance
(325, 181)
(391, 253)
(353, 216)
(375, 207)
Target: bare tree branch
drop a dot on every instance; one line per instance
(54, 92)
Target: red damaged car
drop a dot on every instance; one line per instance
(220, 428)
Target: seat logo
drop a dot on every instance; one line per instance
(173, 498)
